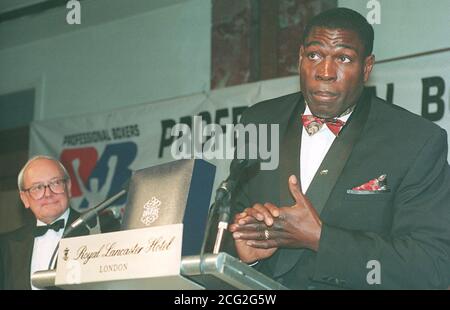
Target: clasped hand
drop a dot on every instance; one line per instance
(260, 230)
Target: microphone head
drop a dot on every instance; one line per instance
(239, 164)
(252, 162)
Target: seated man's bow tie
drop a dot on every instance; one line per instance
(42, 230)
(313, 124)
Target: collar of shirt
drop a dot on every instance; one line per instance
(44, 246)
(342, 118)
(313, 150)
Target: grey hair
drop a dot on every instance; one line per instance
(22, 171)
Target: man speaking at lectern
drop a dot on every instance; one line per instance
(361, 198)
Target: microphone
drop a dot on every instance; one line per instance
(85, 217)
(224, 193)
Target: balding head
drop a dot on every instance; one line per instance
(44, 188)
(20, 176)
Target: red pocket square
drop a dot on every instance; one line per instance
(377, 184)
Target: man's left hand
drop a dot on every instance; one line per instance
(298, 226)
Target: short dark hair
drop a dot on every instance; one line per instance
(343, 18)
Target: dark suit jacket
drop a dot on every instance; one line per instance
(407, 230)
(16, 249)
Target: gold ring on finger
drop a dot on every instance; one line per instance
(266, 234)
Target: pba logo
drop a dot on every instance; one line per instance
(96, 177)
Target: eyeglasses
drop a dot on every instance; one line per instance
(37, 191)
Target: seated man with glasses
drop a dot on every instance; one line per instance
(44, 186)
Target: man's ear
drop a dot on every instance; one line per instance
(69, 188)
(24, 198)
(368, 66)
(300, 55)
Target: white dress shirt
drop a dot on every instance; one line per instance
(313, 150)
(45, 245)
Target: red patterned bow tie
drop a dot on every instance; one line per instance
(313, 124)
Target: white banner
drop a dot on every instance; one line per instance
(100, 151)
